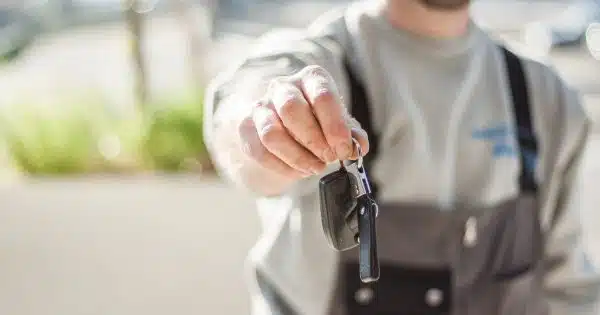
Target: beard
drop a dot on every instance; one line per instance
(445, 5)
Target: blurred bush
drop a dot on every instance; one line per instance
(172, 138)
(86, 137)
(44, 141)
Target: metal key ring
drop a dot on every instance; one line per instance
(360, 154)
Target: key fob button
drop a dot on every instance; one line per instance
(434, 297)
(364, 296)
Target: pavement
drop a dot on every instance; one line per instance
(151, 245)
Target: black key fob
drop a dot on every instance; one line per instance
(338, 203)
(348, 214)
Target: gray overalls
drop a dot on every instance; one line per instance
(477, 260)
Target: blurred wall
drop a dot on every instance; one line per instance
(124, 246)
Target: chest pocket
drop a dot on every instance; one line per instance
(445, 263)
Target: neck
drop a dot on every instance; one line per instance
(415, 17)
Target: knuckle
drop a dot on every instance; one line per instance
(249, 145)
(290, 106)
(315, 71)
(260, 103)
(255, 151)
(315, 142)
(320, 86)
(246, 126)
(271, 134)
(324, 96)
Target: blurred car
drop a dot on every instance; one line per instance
(566, 29)
(234, 24)
(255, 17)
(17, 29)
(78, 12)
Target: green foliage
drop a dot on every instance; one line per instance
(42, 141)
(172, 139)
(85, 137)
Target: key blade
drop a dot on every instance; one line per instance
(368, 259)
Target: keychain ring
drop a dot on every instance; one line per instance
(360, 154)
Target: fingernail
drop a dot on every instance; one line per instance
(328, 155)
(343, 151)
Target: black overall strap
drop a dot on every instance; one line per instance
(528, 146)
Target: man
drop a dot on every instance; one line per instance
(474, 152)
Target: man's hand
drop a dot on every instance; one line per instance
(300, 125)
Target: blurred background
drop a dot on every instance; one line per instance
(108, 200)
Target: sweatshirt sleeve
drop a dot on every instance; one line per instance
(278, 53)
(572, 277)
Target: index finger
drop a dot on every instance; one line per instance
(321, 92)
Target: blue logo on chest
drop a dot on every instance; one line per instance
(501, 138)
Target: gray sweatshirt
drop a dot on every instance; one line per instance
(435, 104)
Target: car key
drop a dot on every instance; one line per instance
(368, 259)
(348, 214)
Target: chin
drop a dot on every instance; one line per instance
(446, 5)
